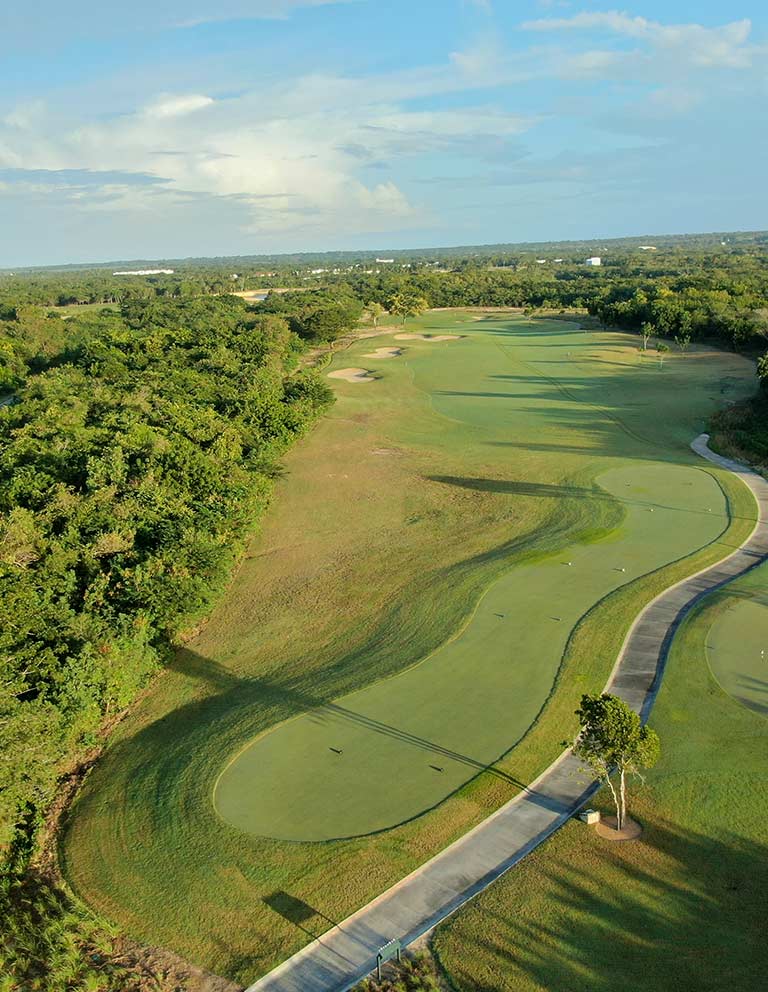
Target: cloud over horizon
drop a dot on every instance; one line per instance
(492, 133)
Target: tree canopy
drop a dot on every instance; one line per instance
(613, 738)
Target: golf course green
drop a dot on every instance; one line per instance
(386, 753)
(684, 907)
(737, 644)
(408, 604)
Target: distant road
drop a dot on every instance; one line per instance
(344, 955)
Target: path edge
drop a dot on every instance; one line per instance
(700, 445)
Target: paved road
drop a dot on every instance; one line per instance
(347, 953)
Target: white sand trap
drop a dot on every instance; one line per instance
(428, 337)
(385, 353)
(352, 375)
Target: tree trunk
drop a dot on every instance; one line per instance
(616, 801)
(623, 792)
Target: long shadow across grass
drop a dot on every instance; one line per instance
(234, 692)
(676, 910)
(519, 488)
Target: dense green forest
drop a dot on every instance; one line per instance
(140, 435)
(692, 286)
(138, 451)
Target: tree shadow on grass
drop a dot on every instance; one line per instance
(519, 488)
(249, 692)
(676, 911)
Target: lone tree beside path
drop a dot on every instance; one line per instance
(612, 738)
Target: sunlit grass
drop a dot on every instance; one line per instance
(366, 564)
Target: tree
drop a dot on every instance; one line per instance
(324, 323)
(407, 305)
(612, 738)
(662, 349)
(376, 310)
(646, 330)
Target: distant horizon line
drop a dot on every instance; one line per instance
(371, 252)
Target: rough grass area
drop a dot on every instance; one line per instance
(371, 559)
(684, 907)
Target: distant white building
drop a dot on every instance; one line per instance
(541, 261)
(595, 260)
(145, 272)
(648, 248)
(385, 261)
(558, 259)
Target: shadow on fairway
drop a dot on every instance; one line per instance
(243, 693)
(749, 595)
(755, 686)
(675, 910)
(387, 730)
(517, 488)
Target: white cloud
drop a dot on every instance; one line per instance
(176, 106)
(292, 153)
(695, 44)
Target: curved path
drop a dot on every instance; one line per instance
(347, 953)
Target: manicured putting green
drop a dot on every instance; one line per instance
(386, 753)
(737, 648)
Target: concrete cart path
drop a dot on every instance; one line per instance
(345, 954)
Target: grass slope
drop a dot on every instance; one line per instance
(384, 754)
(369, 560)
(684, 907)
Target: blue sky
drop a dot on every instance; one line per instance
(212, 127)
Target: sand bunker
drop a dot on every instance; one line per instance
(352, 375)
(385, 353)
(428, 337)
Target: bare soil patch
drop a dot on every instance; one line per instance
(606, 828)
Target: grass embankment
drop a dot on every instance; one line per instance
(684, 907)
(369, 559)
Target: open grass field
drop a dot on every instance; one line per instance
(450, 488)
(684, 907)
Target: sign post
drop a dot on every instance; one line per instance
(386, 953)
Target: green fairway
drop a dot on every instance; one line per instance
(448, 489)
(684, 907)
(384, 754)
(737, 644)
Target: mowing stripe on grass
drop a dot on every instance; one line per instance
(383, 755)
